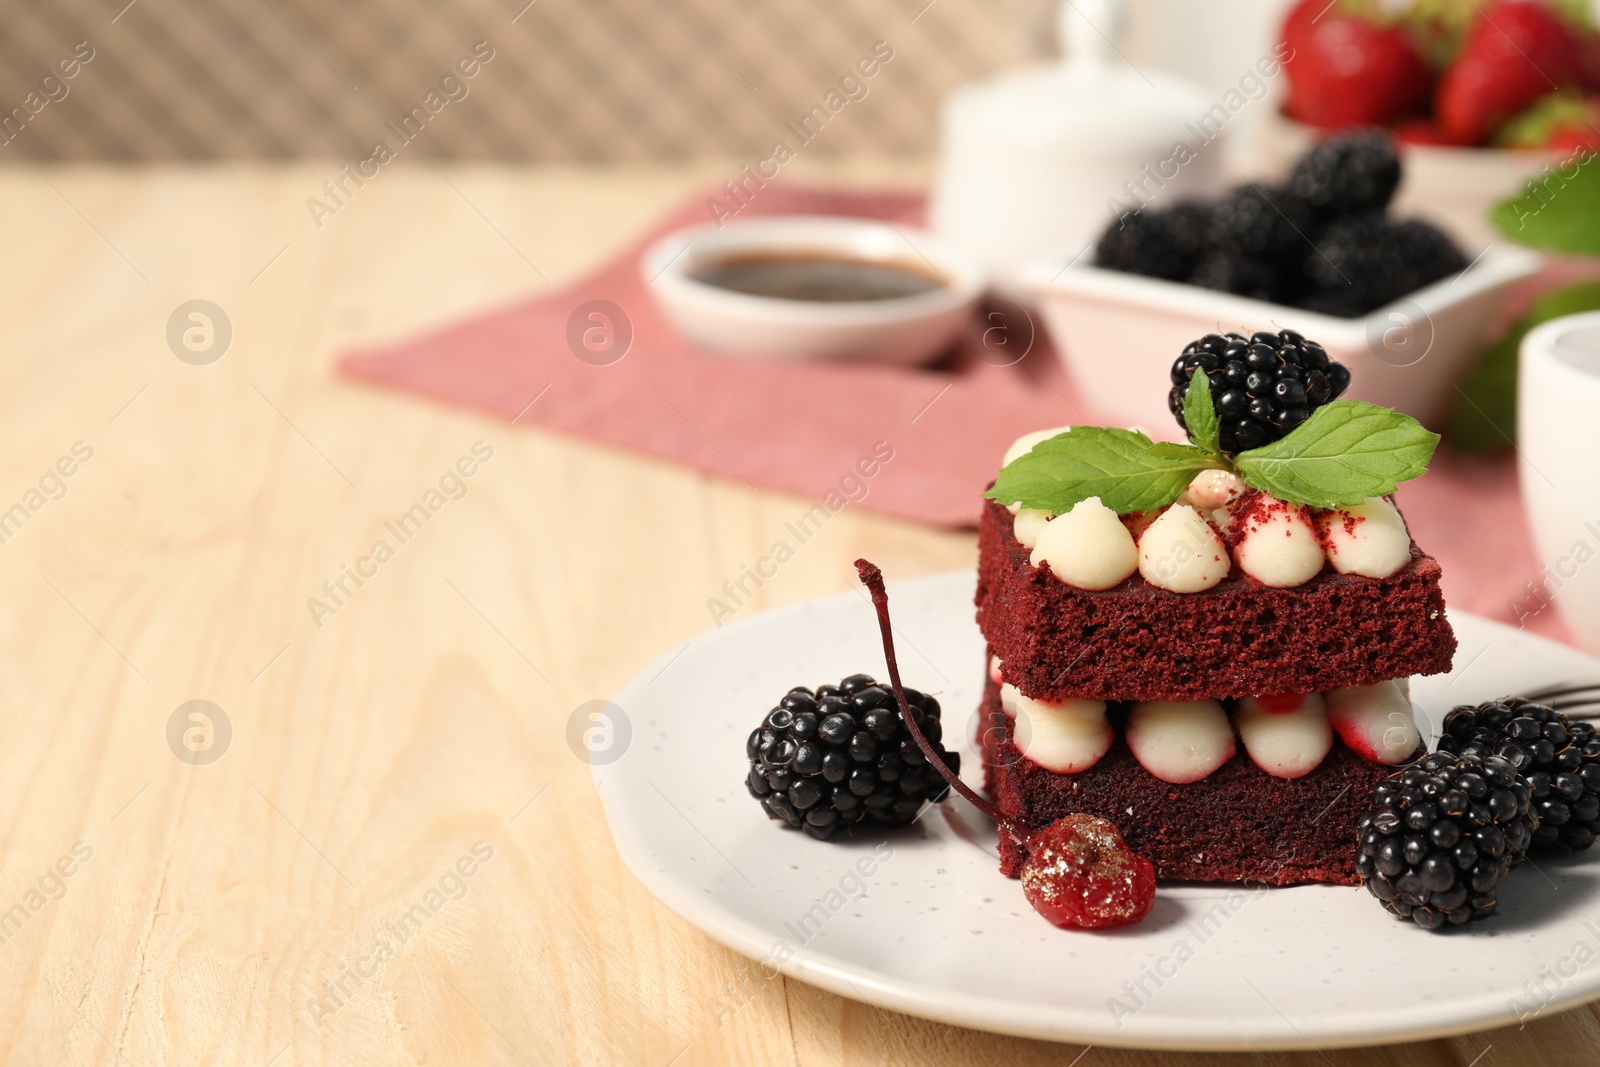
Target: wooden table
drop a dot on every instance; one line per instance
(406, 746)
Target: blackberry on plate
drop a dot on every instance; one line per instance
(1362, 262)
(1262, 386)
(829, 758)
(1155, 243)
(1353, 174)
(1558, 755)
(1440, 835)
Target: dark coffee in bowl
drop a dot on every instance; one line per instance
(820, 277)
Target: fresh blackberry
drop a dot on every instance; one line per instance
(1260, 221)
(1155, 243)
(1262, 386)
(1256, 277)
(1254, 239)
(829, 758)
(1440, 835)
(1558, 755)
(1362, 262)
(1348, 175)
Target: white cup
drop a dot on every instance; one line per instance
(1558, 434)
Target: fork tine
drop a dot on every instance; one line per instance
(1579, 698)
(1571, 689)
(1571, 696)
(1588, 710)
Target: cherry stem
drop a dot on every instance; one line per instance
(872, 578)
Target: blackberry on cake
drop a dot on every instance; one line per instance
(1440, 835)
(825, 760)
(1557, 754)
(1262, 386)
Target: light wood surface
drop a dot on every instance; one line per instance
(425, 717)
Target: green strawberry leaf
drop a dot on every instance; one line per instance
(1557, 112)
(1124, 468)
(1486, 416)
(1199, 415)
(1559, 212)
(1345, 452)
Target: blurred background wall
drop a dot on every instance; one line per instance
(569, 80)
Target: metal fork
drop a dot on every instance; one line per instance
(1582, 694)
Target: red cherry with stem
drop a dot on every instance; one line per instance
(1079, 871)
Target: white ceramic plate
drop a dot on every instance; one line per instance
(933, 929)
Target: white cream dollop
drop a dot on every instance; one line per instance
(1278, 545)
(1376, 721)
(1065, 736)
(994, 669)
(1285, 744)
(1180, 741)
(1024, 444)
(1211, 490)
(1369, 539)
(1088, 547)
(1028, 525)
(1182, 553)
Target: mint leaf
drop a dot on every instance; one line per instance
(1199, 415)
(1559, 212)
(1486, 416)
(1124, 468)
(1345, 452)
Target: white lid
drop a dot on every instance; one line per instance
(1093, 98)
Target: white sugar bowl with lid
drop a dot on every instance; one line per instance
(1041, 159)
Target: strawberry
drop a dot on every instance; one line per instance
(1517, 51)
(1423, 132)
(1573, 140)
(1346, 67)
(1563, 121)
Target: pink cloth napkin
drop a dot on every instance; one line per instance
(913, 443)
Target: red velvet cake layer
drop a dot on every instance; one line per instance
(1239, 638)
(1238, 824)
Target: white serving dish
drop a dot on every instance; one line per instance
(1118, 333)
(908, 330)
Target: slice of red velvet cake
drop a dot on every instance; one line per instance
(1237, 824)
(1211, 646)
(1136, 641)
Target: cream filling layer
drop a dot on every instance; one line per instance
(1180, 741)
(1066, 736)
(1285, 744)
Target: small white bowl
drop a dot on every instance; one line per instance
(1118, 333)
(908, 330)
